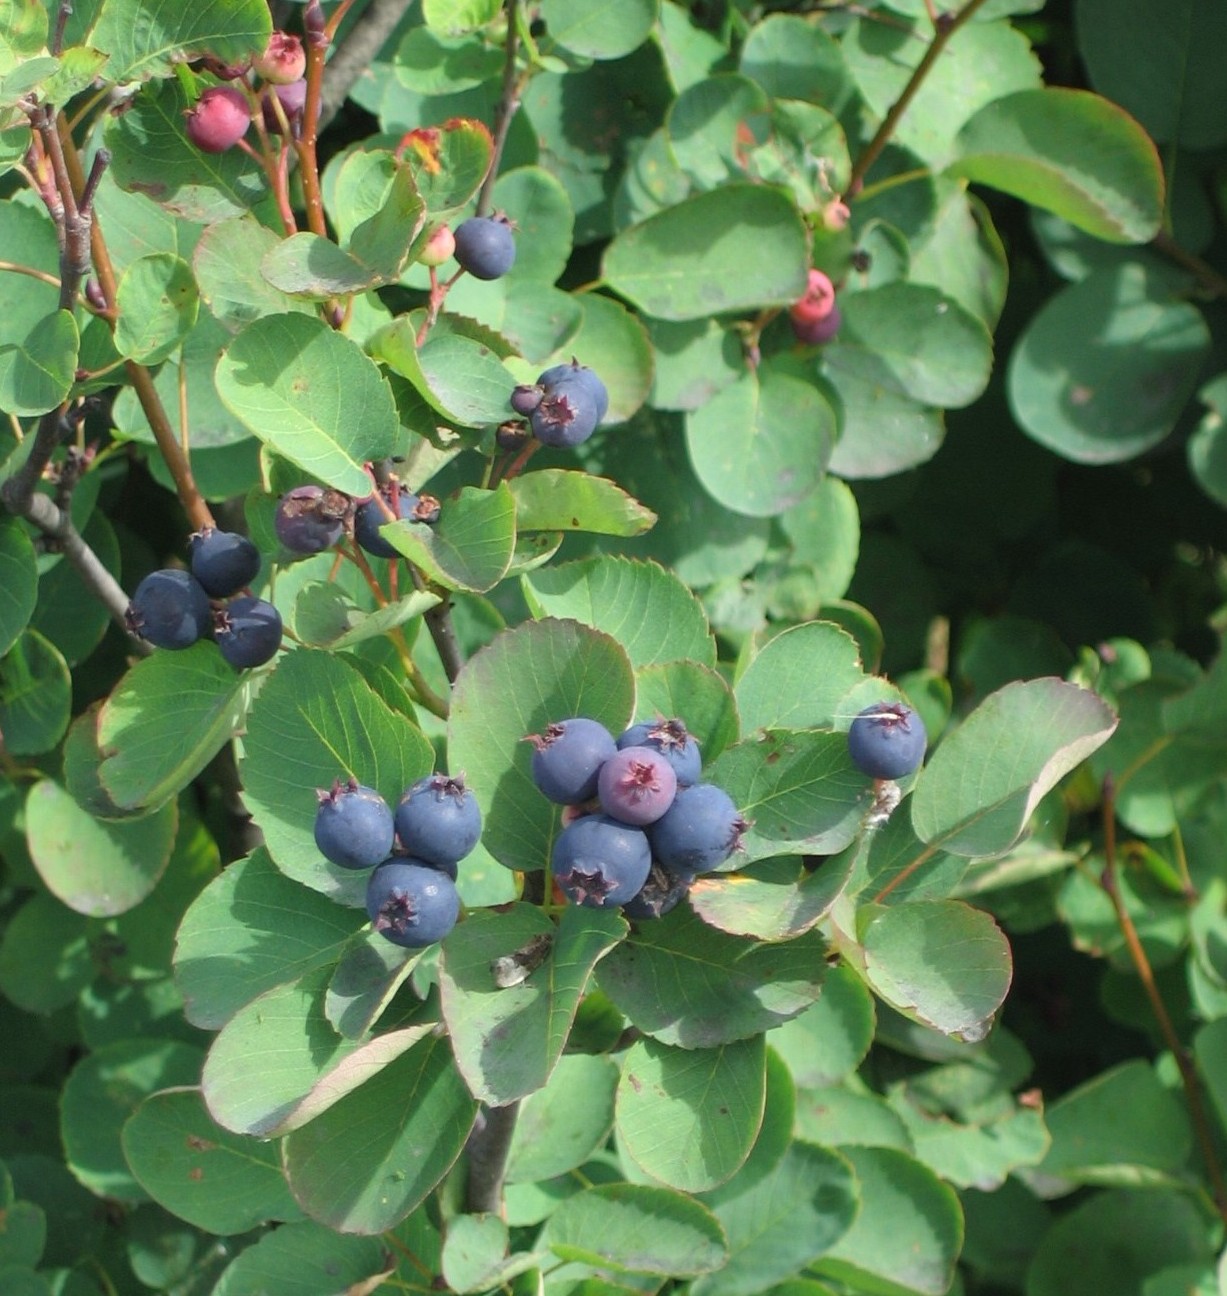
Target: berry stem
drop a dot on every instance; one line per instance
(316, 47)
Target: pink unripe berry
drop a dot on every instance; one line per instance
(219, 120)
(636, 785)
(836, 215)
(284, 59)
(439, 247)
(819, 299)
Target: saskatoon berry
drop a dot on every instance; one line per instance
(170, 609)
(567, 415)
(820, 331)
(219, 120)
(636, 786)
(815, 318)
(568, 757)
(293, 98)
(248, 632)
(887, 740)
(599, 862)
(284, 60)
(353, 825)
(222, 561)
(660, 893)
(311, 519)
(485, 246)
(439, 247)
(438, 820)
(577, 372)
(410, 903)
(370, 516)
(698, 832)
(525, 398)
(672, 739)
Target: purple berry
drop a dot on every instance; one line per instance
(311, 519)
(567, 416)
(660, 893)
(525, 398)
(410, 903)
(698, 832)
(673, 740)
(438, 819)
(248, 632)
(576, 372)
(485, 246)
(370, 516)
(222, 561)
(636, 786)
(353, 825)
(817, 332)
(568, 757)
(219, 120)
(887, 740)
(599, 862)
(293, 98)
(170, 610)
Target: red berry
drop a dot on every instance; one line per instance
(818, 302)
(284, 59)
(219, 120)
(439, 247)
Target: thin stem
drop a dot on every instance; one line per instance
(945, 26)
(439, 623)
(509, 102)
(1141, 963)
(305, 145)
(488, 1147)
(1207, 276)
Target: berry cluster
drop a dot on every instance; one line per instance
(173, 608)
(640, 827)
(310, 519)
(564, 405)
(815, 319)
(220, 117)
(413, 851)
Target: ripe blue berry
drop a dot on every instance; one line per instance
(575, 372)
(672, 739)
(636, 785)
(698, 832)
(370, 516)
(525, 398)
(567, 415)
(353, 825)
(438, 819)
(568, 757)
(599, 862)
(170, 609)
(248, 632)
(887, 740)
(222, 561)
(311, 519)
(410, 903)
(485, 246)
(660, 893)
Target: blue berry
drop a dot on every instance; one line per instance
(370, 516)
(310, 519)
(525, 398)
(636, 785)
(564, 373)
(672, 739)
(568, 757)
(599, 862)
(170, 609)
(438, 820)
(698, 832)
(248, 632)
(887, 740)
(353, 826)
(660, 893)
(222, 561)
(410, 903)
(485, 246)
(567, 415)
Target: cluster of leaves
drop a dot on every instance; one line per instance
(799, 1080)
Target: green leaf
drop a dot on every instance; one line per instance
(166, 720)
(799, 678)
(326, 617)
(795, 59)
(772, 899)
(559, 499)
(596, 29)
(95, 867)
(459, 15)
(696, 694)
(251, 929)
(825, 533)
(564, 1123)
(708, 126)
(157, 300)
(311, 394)
(37, 373)
(18, 581)
(1107, 366)
(738, 247)
(762, 444)
(637, 1228)
(448, 162)
(45, 956)
(507, 1041)
(939, 962)
(981, 785)
(1207, 447)
(227, 263)
(372, 1157)
(35, 695)
(614, 342)
(689, 1117)
(526, 678)
(145, 38)
(216, 1181)
(430, 62)
(907, 1234)
(745, 986)
(914, 342)
(307, 1258)
(647, 609)
(829, 1040)
(472, 544)
(317, 720)
(1070, 153)
(882, 432)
